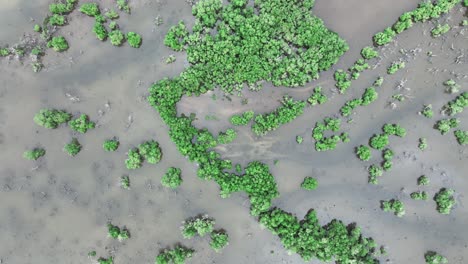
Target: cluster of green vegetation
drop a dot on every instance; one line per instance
(123, 5)
(359, 66)
(125, 182)
(368, 97)
(461, 136)
(81, 124)
(73, 148)
(452, 86)
(397, 65)
(427, 111)
(457, 105)
(394, 130)
(375, 171)
(379, 141)
(172, 178)
(363, 153)
(219, 240)
(323, 143)
(109, 260)
(227, 137)
(243, 119)
(378, 82)
(56, 20)
(444, 200)
(343, 80)
(118, 233)
(432, 257)
(317, 97)
(369, 53)
(425, 11)
(395, 206)
(58, 44)
(111, 145)
(421, 195)
(134, 39)
(200, 225)
(423, 180)
(309, 184)
(178, 255)
(299, 139)
(445, 125)
(284, 114)
(332, 242)
(148, 150)
(422, 145)
(387, 159)
(439, 30)
(34, 154)
(134, 160)
(51, 118)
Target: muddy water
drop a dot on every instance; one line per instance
(55, 210)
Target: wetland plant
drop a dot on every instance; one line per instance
(111, 14)
(123, 6)
(200, 225)
(363, 153)
(423, 180)
(309, 184)
(444, 200)
(378, 82)
(150, 151)
(51, 118)
(243, 119)
(109, 260)
(343, 80)
(34, 154)
(395, 67)
(100, 30)
(134, 39)
(439, 30)
(395, 206)
(375, 171)
(369, 53)
(178, 255)
(125, 182)
(317, 97)
(90, 9)
(111, 145)
(461, 136)
(421, 195)
(73, 148)
(219, 240)
(457, 105)
(172, 179)
(116, 37)
(432, 257)
(452, 86)
(58, 44)
(56, 20)
(227, 137)
(422, 145)
(445, 125)
(118, 233)
(82, 124)
(134, 160)
(394, 130)
(299, 139)
(427, 111)
(379, 142)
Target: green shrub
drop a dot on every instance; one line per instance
(427, 111)
(378, 82)
(299, 139)
(384, 37)
(457, 105)
(150, 151)
(432, 257)
(242, 120)
(309, 184)
(57, 20)
(395, 206)
(227, 137)
(440, 30)
(59, 44)
(219, 240)
(100, 30)
(445, 125)
(419, 195)
(34, 154)
(4, 52)
(176, 37)
(60, 8)
(342, 79)
(90, 9)
(116, 37)
(109, 260)
(452, 86)
(73, 148)
(388, 154)
(394, 129)
(111, 14)
(369, 53)
(317, 97)
(423, 180)
(404, 22)
(134, 159)
(113, 25)
(395, 67)
(461, 136)
(134, 39)
(369, 96)
(111, 145)
(422, 145)
(359, 66)
(200, 225)
(51, 118)
(172, 178)
(375, 171)
(118, 233)
(444, 200)
(82, 124)
(363, 152)
(378, 142)
(349, 106)
(125, 182)
(177, 255)
(123, 5)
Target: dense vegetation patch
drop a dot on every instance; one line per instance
(172, 178)
(134, 160)
(444, 200)
(81, 124)
(396, 66)
(323, 143)
(432, 257)
(445, 125)
(461, 136)
(34, 154)
(118, 233)
(51, 118)
(73, 148)
(150, 151)
(368, 97)
(178, 255)
(200, 225)
(309, 184)
(111, 145)
(242, 119)
(317, 97)
(395, 206)
(219, 240)
(439, 30)
(423, 180)
(58, 44)
(457, 105)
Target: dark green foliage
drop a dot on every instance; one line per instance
(432, 257)
(419, 195)
(242, 120)
(395, 67)
(309, 184)
(369, 53)
(423, 180)
(200, 225)
(440, 30)
(343, 80)
(81, 124)
(100, 19)
(378, 142)
(125, 182)
(444, 200)
(317, 97)
(59, 44)
(404, 22)
(457, 105)
(358, 67)
(118, 233)
(150, 151)
(394, 129)
(134, 159)
(395, 206)
(384, 37)
(368, 97)
(34, 154)
(57, 20)
(134, 39)
(109, 260)
(172, 178)
(116, 37)
(299, 139)
(378, 82)
(123, 5)
(289, 111)
(111, 145)
(51, 118)
(461, 136)
(227, 137)
(178, 255)
(100, 30)
(422, 145)
(248, 46)
(363, 152)
(323, 143)
(349, 106)
(427, 111)
(219, 240)
(334, 241)
(90, 9)
(445, 125)
(4, 52)
(73, 148)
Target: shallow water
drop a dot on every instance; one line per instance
(55, 210)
